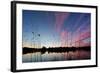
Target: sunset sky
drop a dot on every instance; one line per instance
(56, 29)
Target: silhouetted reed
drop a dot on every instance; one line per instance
(54, 49)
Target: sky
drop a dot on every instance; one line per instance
(55, 29)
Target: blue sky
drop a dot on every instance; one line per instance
(55, 28)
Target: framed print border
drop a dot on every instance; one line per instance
(14, 34)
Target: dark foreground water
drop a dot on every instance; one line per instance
(54, 56)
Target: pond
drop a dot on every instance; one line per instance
(56, 56)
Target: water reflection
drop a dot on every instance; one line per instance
(56, 56)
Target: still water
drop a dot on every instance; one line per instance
(54, 56)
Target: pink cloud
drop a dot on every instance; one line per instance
(64, 38)
(82, 36)
(82, 43)
(60, 17)
(63, 34)
(85, 35)
(59, 20)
